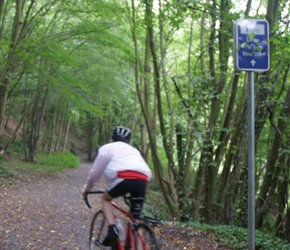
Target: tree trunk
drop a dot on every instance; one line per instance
(8, 66)
(287, 224)
(271, 164)
(207, 167)
(52, 130)
(282, 194)
(59, 130)
(147, 97)
(180, 179)
(36, 117)
(25, 111)
(156, 161)
(66, 136)
(229, 179)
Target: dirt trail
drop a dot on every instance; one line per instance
(50, 214)
(46, 214)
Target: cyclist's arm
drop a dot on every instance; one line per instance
(96, 171)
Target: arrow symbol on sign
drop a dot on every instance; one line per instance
(253, 62)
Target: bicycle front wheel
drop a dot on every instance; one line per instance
(98, 231)
(145, 238)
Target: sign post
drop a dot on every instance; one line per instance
(251, 53)
(251, 48)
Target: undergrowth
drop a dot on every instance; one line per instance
(154, 204)
(231, 236)
(57, 162)
(5, 172)
(237, 237)
(11, 170)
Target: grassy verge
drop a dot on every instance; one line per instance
(232, 236)
(13, 170)
(237, 237)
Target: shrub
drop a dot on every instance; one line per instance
(154, 205)
(46, 164)
(57, 162)
(5, 172)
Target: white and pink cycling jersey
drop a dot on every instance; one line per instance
(115, 160)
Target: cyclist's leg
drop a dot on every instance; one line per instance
(138, 192)
(108, 208)
(114, 190)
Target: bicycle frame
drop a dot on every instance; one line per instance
(132, 234)
(130, 237)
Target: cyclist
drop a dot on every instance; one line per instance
(125, 172)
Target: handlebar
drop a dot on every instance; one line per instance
(91, 192)
(126, 198)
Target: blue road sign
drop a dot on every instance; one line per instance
(251, 47)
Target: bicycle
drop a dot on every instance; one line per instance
(138, 235)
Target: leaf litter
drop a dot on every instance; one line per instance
(48, 213)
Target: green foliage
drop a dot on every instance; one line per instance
(5, 172)
(46, 164)
(153, 207)
(237, 237)
(15, 149)
(56, 162)
(83, 54)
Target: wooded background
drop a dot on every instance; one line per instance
(164, 69)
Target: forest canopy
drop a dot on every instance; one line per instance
(165, 69)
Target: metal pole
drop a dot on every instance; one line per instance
(251, 162)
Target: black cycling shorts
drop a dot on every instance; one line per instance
(137, 190)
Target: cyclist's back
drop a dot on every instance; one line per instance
(123, 156)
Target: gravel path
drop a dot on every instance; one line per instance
(46, 214)
(50, 214)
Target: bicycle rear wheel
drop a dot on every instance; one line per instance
(98, 231)
(145, 238)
